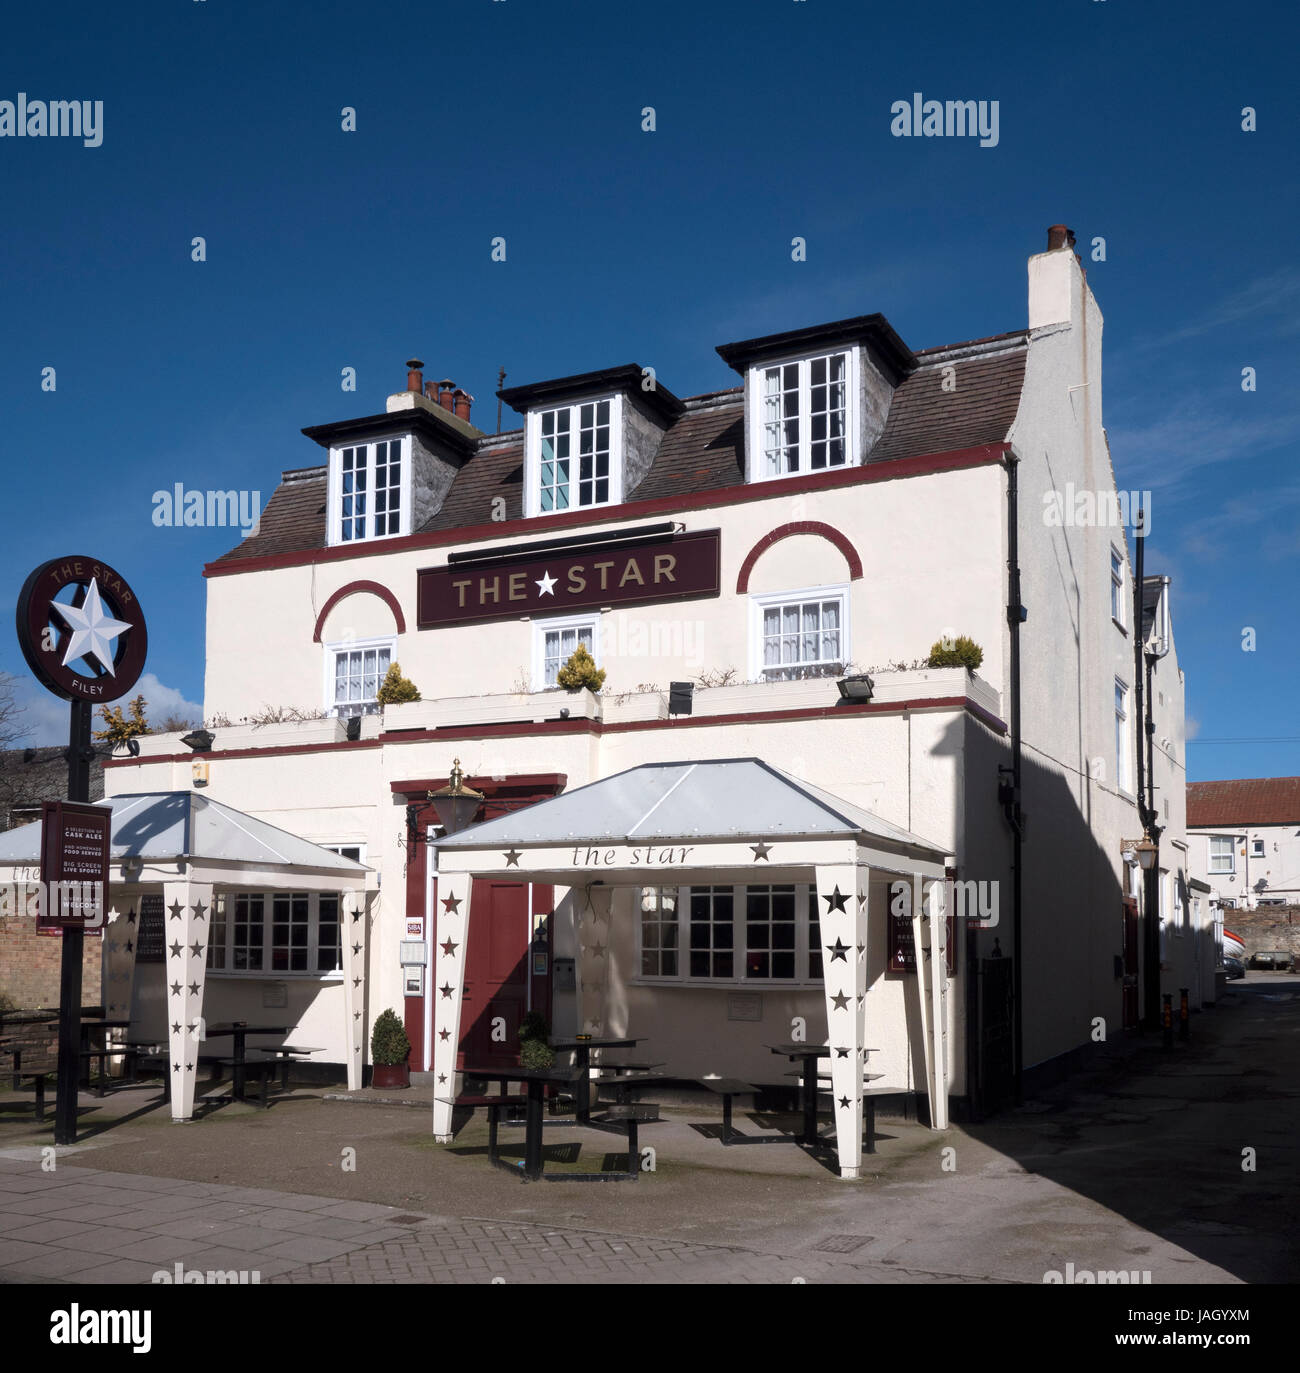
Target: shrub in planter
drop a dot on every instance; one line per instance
(534, 1051)
(389, 1049)
(960, 652)
(580, 671)
(395, 689)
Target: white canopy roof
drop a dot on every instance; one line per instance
(723, 799)
(162, 826)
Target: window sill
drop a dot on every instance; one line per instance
(1120, 625)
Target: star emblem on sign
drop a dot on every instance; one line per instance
(546, 585)
(93, 629)
(834, 900)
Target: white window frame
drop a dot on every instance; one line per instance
(805, 899)
(554, 622)
(756, 461)
(1258, 849)
(1178, 915)
(334, 491)
(765, 600)
(1124, 744)
(1232, 855)
(265, 972)
(388, 641)
(533, 453)
(1117, 587)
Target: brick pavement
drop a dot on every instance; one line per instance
(81, 1225)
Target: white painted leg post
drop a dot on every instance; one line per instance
(454, 891)
(121, 937)
(842, 914)
(187, 912)
(355, 922)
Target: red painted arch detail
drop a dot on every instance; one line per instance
(362, 588)
(786, 531)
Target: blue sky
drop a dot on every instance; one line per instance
(480, 118)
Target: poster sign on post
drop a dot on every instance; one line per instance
(75, 841)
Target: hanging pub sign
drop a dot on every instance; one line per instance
(74, 865)
(663, 567)
(902, 942)
(81, 630)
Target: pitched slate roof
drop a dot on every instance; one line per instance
(29, 776)
(1244, 801)
(702, 450)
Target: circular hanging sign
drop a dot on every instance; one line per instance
(81, 629)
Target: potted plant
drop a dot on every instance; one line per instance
(581, 671)
(534, 1051)
(962, 651)
(389, 1048)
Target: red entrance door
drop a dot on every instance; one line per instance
(496, 974)
(1130, 963)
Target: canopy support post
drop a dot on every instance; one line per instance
(842, 912)
(454, 892)
(187, 920)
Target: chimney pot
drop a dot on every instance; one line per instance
(1059, 236)
(446, 387)
(463, 402)
(414, 377)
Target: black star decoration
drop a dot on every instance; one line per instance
(199, 910)
(130, 916)
(194, 989)
(449, 947)
(356, 981)
(841, 1053)
(356, 948)
(356, 915)
(598, 950)
(840, 1001)
(844, 1101)
(130, 948)
(175, 950)
(176, 989)
(834, 900)
(176, 908)
(838, 950)
(196, 949)
(444, 1034)
(356, 1015)
(189, 1067)
(451, 904)
(442, 1077)
(113, 946)
(176, 1067)
(512, 858)
(761, 850)
(176, 1029)
(862, 948)
(445, 989)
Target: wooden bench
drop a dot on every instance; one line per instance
(622, 1081)
(727, 1088)
(263, 1069)
(622, 1118)
(495, 1105)
(39, 1079)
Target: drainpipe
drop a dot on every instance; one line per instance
(1016, 616)
(1146, 796)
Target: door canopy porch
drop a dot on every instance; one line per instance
(191, 845)
(728, 819)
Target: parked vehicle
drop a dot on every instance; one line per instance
(1278, 959)
(1233, 968)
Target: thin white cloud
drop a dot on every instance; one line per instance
(45, 716)
(1276, 295)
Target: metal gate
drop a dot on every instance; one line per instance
(996, 1034)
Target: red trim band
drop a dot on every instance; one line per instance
(355, 588)
(788, 531)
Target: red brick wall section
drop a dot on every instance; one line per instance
(29, 966)
(1266, 928)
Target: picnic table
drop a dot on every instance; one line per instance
(581, 1047)
(239, 1030)
(89, 1051)
(536, 1080)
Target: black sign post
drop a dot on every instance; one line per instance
(89, 648)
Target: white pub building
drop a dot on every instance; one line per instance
(707, 869)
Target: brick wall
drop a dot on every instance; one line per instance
(29, 965)
(37, 1042)
(1266, 928)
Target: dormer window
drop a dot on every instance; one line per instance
(369, 491)
(803, 414)
(574, 456)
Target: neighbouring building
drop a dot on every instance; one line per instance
(737, 854)
(1245, 840)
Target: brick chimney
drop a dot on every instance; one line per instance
(446, 387)
(463, 401)
(1058, 236)
(414, 377)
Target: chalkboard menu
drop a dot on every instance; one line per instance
(149, 930)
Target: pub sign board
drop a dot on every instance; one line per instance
(81, 629)
(75, 839)
(662, 567)
(902, 943)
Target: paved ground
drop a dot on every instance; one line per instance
(1136, 1165)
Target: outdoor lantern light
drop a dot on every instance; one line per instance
(456, 803)
(199, 740)
(856, 688)
(1143, 850)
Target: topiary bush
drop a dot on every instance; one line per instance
(960, 652)
(389, 1045)
(534, 1051)
(396, 689)
(580, 671)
